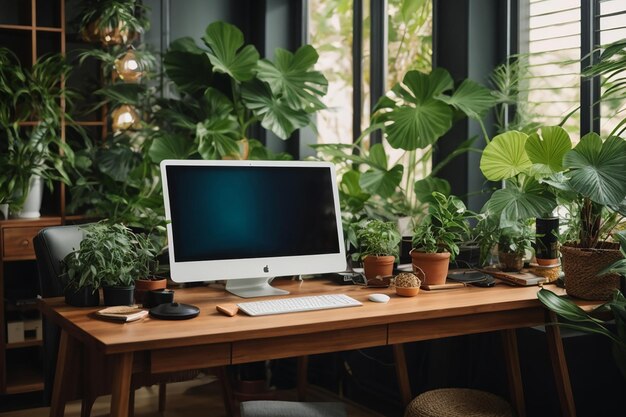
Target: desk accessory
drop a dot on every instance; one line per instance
(378, 298)
(227, 309)
(408, 284)
(174, 311)
(122, 313)
(471, 276)
(155, 297)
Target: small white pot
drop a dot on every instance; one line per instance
(32, 204)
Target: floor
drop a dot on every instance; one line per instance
(201, 396)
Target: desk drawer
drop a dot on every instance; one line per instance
(190, 357)
(17, 242)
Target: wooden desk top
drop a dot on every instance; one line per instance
(211, 327)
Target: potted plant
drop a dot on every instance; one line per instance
(111, 22)
(154, 279)
(589, 179)
(436, 239)
(111, 255)
(513, 243)
(379, 243)
(31, 150)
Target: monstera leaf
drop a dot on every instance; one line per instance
(292, 77)
(274, 113)
(520, 200)
(227, 54)
(471, 98)
(505, 156)
(597, 170)
(170, 146)
(188, 66)
(417, 119)
(217, 138)
(377, 179)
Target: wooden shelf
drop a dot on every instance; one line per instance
(24, 344)
(24, 379)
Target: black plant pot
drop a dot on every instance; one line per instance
(547, 242)
(119, 296)
(83, 297)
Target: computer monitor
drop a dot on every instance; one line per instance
(249, 221)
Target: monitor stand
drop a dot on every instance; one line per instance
(253, 287)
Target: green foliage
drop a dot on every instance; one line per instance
(109, 255)
(578, 319)
(31, 95)
(542, 169)
(225, 88)
(445, 226)
(516, 239)
(111, 14)
(378, 238)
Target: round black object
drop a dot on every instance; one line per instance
(174, 311)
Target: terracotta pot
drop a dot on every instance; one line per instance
(407, 291)
(581, 267)
(378, 265)
(142, 286)
(547, 262)
(434, 265)
(511, 262)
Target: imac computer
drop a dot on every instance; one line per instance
(249, 221)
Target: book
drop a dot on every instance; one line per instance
(122, 313)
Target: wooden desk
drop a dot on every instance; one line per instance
(212, 339)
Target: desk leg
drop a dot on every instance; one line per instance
(302, 376)
(559, 366)
(64, 378)
(120, 384)
(513, 371)
(402, 374)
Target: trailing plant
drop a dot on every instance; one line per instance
(110, 255)
(377, 238)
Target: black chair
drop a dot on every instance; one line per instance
(51, 245)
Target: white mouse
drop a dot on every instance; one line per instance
(378, 298)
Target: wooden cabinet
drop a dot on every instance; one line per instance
(20, 366)
(31, 29)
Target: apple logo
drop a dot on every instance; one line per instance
(266, 268)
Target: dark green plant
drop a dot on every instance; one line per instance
(445, 226)
(377, 238)
(225, 88)
(589, 322)
(516, 239)
(31, 107)
(109, 255)
(103, 16)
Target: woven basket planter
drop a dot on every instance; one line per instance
(581, 267)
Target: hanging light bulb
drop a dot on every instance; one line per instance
(128, 68)
(123, 118)
(115, 35)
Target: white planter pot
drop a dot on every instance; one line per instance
(32, 204)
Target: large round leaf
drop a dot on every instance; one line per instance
(546, 151)
(381, 181)
(597, 169)
(520, 201)
(424, 188)
(217, 138)
(227, 54)
(416, 119)
(170, 146)
(292, 77)
(274, 113)
(188, 66)
(504, 157)
(471, 98)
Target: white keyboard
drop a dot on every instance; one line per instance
(295, 304)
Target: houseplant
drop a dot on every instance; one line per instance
(111, 22)
(225, 88)
(436, 239)
(379, 243)
(589, 179)
(30, 112)
(512, 245)
(111, 256)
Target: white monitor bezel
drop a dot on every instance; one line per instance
(239, 269)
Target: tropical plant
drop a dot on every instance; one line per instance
(377, 238)
(110, 255)
(111, 21)
(516, 239)
(30, 112)
(225, 89)
(445, 226)
(543, 168)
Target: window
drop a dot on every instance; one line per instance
(559, 38)
(342, 32)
